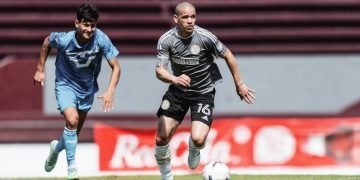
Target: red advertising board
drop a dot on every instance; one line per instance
(240, 142)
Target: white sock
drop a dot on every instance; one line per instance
(193, 147)
(162, 154)
(163, 159)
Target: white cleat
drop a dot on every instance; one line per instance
(166, 173)
(52, 158)
(193, 158)
(73, 173)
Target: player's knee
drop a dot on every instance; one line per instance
(162, 140)
(198, 141)
(72, 123)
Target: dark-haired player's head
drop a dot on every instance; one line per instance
(87, 13)
(86, 21)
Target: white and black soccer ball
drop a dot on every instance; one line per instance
(216, 171)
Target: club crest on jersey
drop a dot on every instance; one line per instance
(195, 49)
(165, 104)
(82, 58)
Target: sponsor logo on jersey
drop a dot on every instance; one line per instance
(185, 61)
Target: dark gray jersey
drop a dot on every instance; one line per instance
(193, 56)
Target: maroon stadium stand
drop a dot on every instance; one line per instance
(256, 26)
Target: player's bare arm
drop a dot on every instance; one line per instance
(108, 96)
(39, 76)
(242, 90)
(163, 74)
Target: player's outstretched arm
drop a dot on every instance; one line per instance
(108, 96)
(39, 76)
(163, 74)
(242, 90)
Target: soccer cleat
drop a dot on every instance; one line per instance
(165, 170)
(73, 173)
(52, 158)
(193, 158)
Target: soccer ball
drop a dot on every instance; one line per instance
(216, 171)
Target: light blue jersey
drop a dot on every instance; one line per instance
(78, 67)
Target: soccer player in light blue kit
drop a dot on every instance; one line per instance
(78, 63)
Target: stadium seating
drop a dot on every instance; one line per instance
(256, 26)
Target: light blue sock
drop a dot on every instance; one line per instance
(70, 142)
(60, 145)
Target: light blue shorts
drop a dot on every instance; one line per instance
(66, 97)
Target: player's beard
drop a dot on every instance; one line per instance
(188, 30)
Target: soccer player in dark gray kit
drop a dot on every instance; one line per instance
(191, 50)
